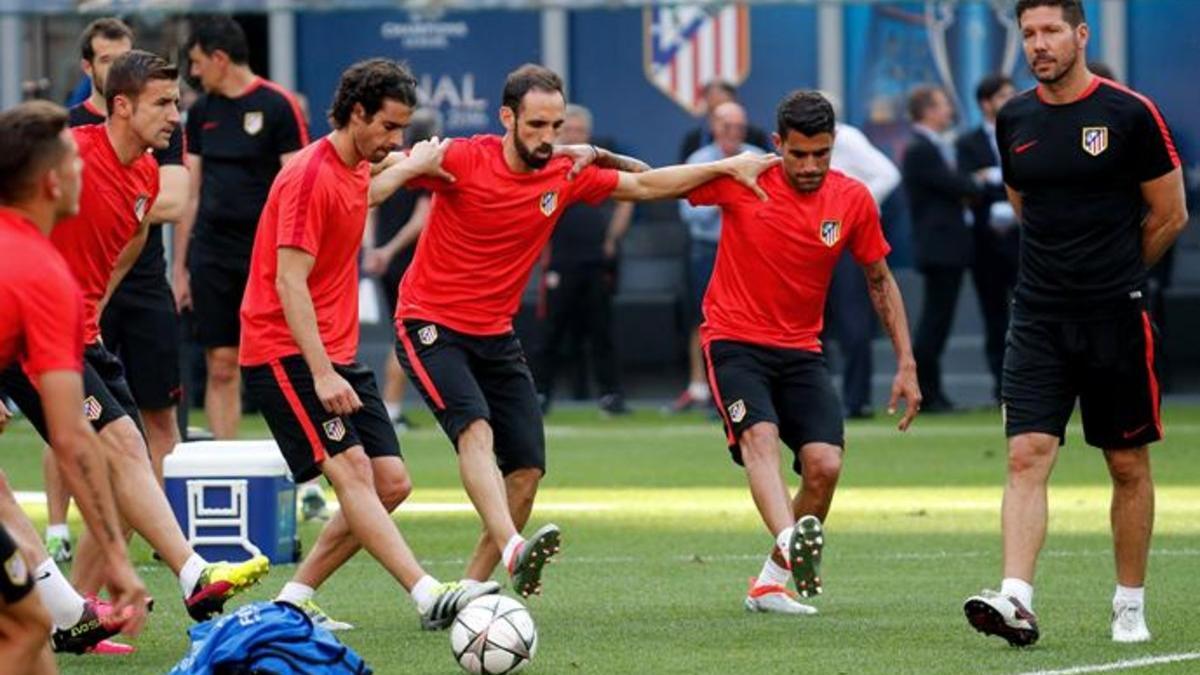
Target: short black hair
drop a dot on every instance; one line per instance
(991, 85)
(29, 143)
(921, 100)
(529, 77)
(1072, 10)
(131, 71)
(368, 83)
(219, 32)
(109, 28)
(807, 112)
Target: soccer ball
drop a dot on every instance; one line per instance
(493, 635)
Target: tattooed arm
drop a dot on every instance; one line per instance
(885, 296)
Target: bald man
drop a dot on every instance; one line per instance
(704, 229)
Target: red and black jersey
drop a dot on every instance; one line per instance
(114, 198)
(145, 279)
(317, 205)
(239, 141)
(41, 308)
(485, 231)
(776, 258)
(1079, 167)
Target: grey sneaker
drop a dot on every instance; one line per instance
(451, 598)
(993, 613)
(532, 557)
(804, 555)
(320, 618)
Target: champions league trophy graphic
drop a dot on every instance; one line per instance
(967, 41)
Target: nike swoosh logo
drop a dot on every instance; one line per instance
(1024, 146)
(43, 576)
(1130, 434)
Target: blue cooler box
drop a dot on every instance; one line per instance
(234, 500)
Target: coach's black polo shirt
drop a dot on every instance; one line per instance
(1079, 167)
(239, 141)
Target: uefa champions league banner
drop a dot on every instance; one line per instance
(892, 47)
(460, 59)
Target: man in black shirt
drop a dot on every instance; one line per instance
(717, 92)
(240, 132)
(579, 278)
(1095, 181)
(139, 323)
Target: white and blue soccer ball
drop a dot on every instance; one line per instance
(494, 635)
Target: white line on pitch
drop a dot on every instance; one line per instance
(1128, 664)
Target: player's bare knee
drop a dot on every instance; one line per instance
(1128, 467)
(523, 482)
(393, 488)
(822, 469)
(125, 442)
(1030, 454)
(476, 437)
(759, 442)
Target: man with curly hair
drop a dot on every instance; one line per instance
(299, 336)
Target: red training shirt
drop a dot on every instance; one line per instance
(319, 205)
(113, 201)
(776, 258)
(41, 308)
(485, 232)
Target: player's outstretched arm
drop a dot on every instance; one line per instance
(672, 182)
(81, 461)
(291, 283)
(885, 296)
(584, 154)
(1167, 217)
(424, 159)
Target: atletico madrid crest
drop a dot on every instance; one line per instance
(92, 408)
(1095, 140)
(737, 411)
(252, 122)
(548, 203)
(831, 231)
(687, 46)
(334, 429)
(427, 335)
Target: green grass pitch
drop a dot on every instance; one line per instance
(660, 537)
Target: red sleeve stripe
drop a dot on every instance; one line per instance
(289, 393)
(1162, 125)
(304, 197)
(295, 105)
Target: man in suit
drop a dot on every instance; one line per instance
(995, 230)
(717, 92)
(938, 199)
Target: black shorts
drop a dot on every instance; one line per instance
(389, 283)
(789, 388)
(144, 334)
(466, 378)
(1110, 365)
(16, 582)
(217, 289)
(106, 394)
(306, 433)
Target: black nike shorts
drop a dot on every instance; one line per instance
(106, 394)
(789, 388)
(1108, 364)
(464, 378)
(217, 289)
(144, 334)
(306, 433)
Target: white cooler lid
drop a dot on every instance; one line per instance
(225, 458)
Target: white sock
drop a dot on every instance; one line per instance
(698, 391)
(772, 575)
(1130, 595)
(1020, 589)
(58, 530)
(56, 593)
(394, 409)
(423, 592)
(295, 593)
(510, 550)
(783, 540)
(190, 573)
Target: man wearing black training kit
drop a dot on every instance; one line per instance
(1095, 181)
